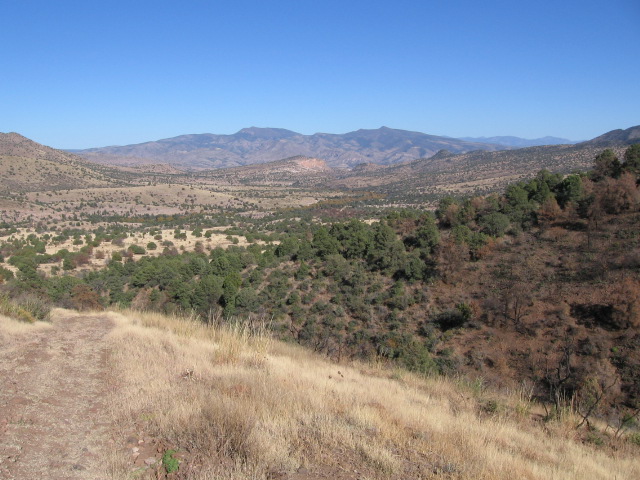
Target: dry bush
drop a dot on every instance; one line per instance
(618, 195)
(25, 307)
(245, 406)
(549, 212)
(84, 297)
(554, 234)
(81, 258)
(487, 249)
(626, 302)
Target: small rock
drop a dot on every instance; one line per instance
(150, 461)
(77, 466)
(135, 450)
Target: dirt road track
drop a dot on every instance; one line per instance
(53, 420)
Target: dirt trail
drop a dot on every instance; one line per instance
(53, 421)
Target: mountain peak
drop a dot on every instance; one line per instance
(265, 133)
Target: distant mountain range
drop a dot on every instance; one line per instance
(382, 146)
(249, 146)
(26, 166)
(518, 142)
(476, 172)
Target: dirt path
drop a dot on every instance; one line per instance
(53, 421)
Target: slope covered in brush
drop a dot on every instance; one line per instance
(234, 404)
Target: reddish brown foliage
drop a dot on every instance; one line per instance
(84, 297)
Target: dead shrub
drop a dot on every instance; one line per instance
(83, 297)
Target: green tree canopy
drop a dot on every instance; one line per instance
(606, 165)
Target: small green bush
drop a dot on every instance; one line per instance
(5, 274)
(170, 463)
(595, 439)
(137, 250)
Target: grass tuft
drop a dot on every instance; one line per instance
(25, 308)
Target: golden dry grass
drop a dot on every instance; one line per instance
(245, 406)
(10, 327)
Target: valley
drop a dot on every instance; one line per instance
(511, 270)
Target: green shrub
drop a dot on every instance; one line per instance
(595, 439)
(5, 274)
(137, 250)
(170, 463)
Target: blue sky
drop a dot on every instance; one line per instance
(77, 74)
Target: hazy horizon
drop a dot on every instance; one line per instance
(80, 75)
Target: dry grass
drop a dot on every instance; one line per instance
(170, 199)
(244, 406)
(10, 327)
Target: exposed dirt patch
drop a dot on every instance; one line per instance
(53, 387)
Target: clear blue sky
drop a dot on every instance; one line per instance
(76, 74)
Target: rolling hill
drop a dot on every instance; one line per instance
(27, 166)
(286, 172)
(476, 172)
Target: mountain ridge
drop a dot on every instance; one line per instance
(518, 142)
(616, 137)
(256, 145)
(252, 145)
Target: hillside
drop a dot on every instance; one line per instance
(154, 396)
(518, 142)
(471, 173)
(234, 404)
(290, 171)
(533, 291)
(616, 138)
(27, 166)
(351, 284)
(259, 145)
